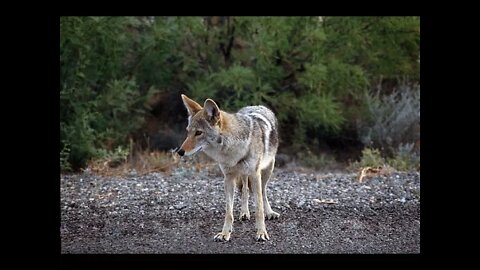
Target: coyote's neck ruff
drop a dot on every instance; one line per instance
(244, 144)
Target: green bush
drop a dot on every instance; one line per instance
(314, 72)
(100, 101)
(370, 158)
(406, 158)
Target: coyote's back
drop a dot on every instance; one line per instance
(264, 126)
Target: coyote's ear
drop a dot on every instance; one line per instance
(212, 111)
(192, 106)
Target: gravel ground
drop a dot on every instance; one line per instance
(181, 212)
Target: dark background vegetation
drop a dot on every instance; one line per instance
(345, 89)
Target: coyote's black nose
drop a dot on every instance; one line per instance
(181, 152)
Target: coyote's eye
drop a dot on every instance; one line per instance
(198, 133)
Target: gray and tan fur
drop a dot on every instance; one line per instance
(244, 144)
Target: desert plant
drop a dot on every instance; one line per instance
(406, 158)
(394, 119)
(64, 154)
(370, 158)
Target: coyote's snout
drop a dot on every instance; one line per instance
(244, 144)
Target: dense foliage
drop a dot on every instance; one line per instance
(318, 74)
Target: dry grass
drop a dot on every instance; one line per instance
(150, 161)
(142, 163)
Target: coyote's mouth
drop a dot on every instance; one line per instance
(194, 151)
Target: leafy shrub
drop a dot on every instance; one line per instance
(64, 155)
(370, 158)
(406, 158)
(100, 101)
(394, 119)
(313, 72)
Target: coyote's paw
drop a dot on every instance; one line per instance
(272, 215)
(262, 235)
(244, 216)
(222, 237)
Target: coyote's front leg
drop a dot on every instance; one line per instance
(229, 184)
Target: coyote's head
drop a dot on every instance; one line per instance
(204, 126)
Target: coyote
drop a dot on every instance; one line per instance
(244, 144)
